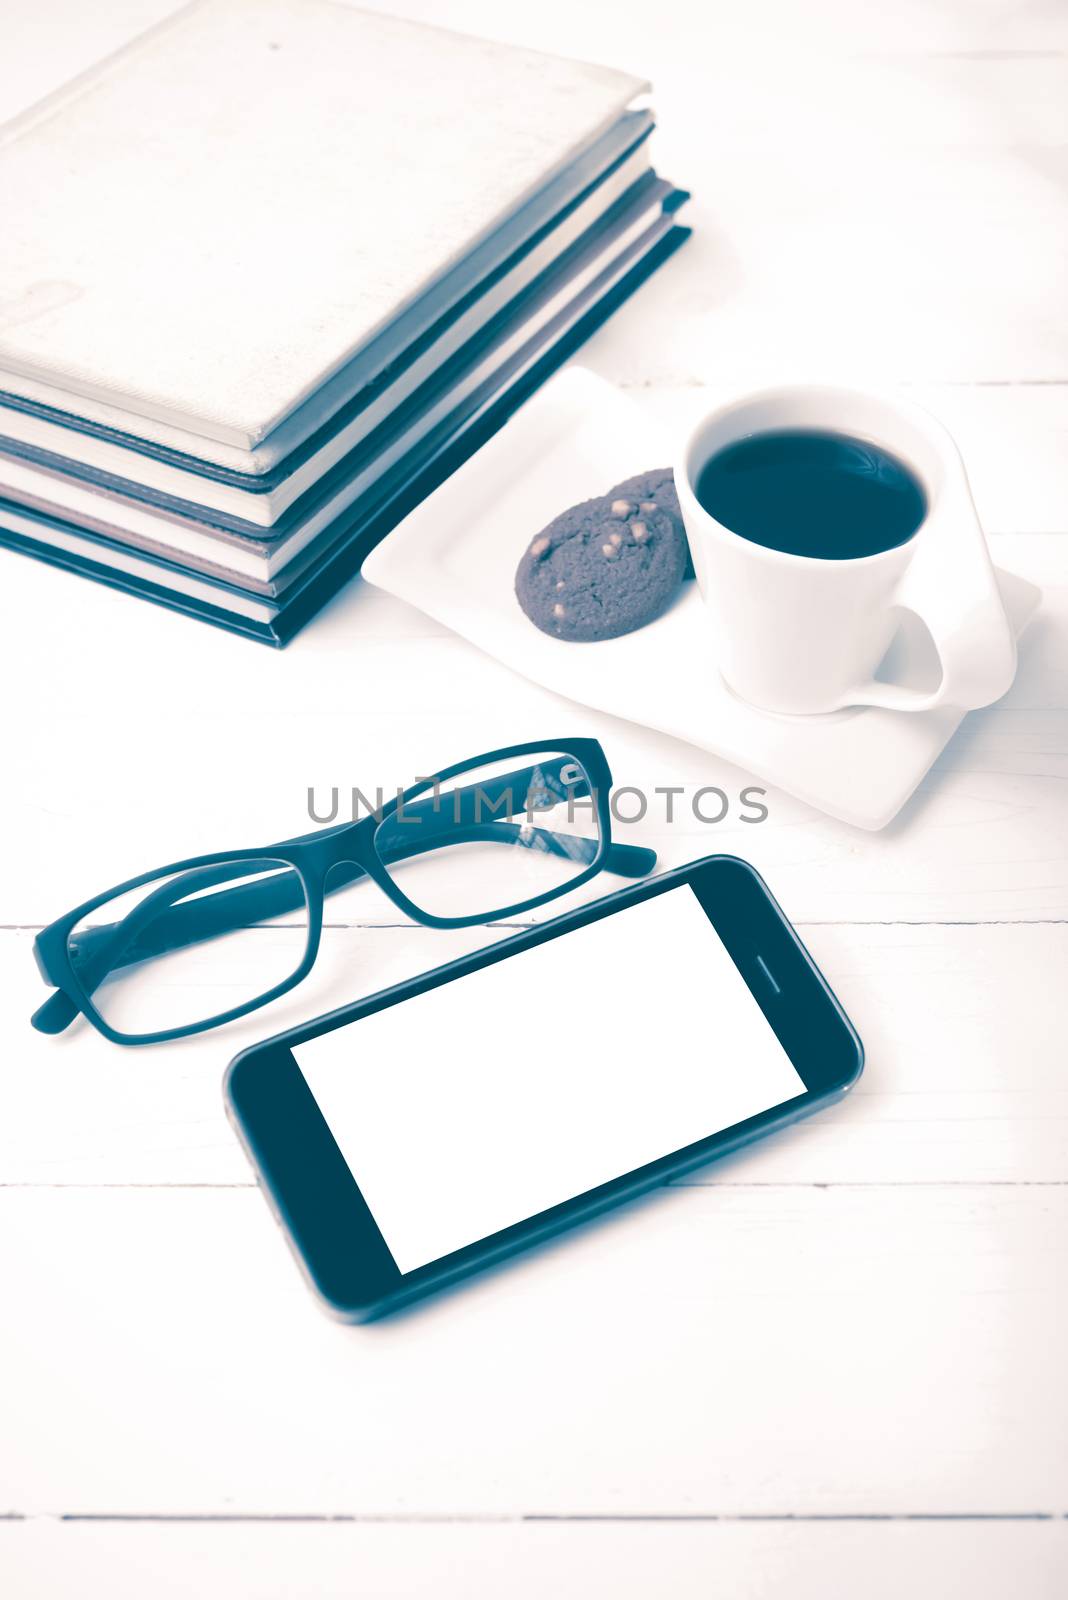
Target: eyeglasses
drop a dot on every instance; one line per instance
(129, 960)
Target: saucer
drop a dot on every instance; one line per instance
(455, 558)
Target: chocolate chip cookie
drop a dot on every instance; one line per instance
(605, 567)
(657, 486)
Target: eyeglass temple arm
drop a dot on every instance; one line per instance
(157, 924)
(627, 860)
(280, 892)
(146, 933)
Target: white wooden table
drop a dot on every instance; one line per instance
(831, 1366)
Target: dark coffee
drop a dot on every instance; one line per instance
(813, 494)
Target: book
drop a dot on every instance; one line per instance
(122, 464)
(99, 433)
(275, 619)
(314, 222)
(180, 530)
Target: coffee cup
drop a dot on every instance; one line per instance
(804, 614)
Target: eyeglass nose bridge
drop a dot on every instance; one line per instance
(340, 870)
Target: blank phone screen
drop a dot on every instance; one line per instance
(483, 1102)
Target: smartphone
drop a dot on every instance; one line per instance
(442, 1124)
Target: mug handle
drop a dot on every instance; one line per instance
(951, 586)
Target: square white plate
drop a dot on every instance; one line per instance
(455, 558)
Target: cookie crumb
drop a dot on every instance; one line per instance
(558, 610)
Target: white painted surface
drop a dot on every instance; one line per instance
(399, 1561)
(879, 194)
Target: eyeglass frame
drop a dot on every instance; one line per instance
(313, 857)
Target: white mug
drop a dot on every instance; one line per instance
(800, 634)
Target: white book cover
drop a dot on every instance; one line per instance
(47, 419)
(210, 224)
(515, 348)
(262, 498)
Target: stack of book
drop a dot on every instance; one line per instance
(275, 269)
